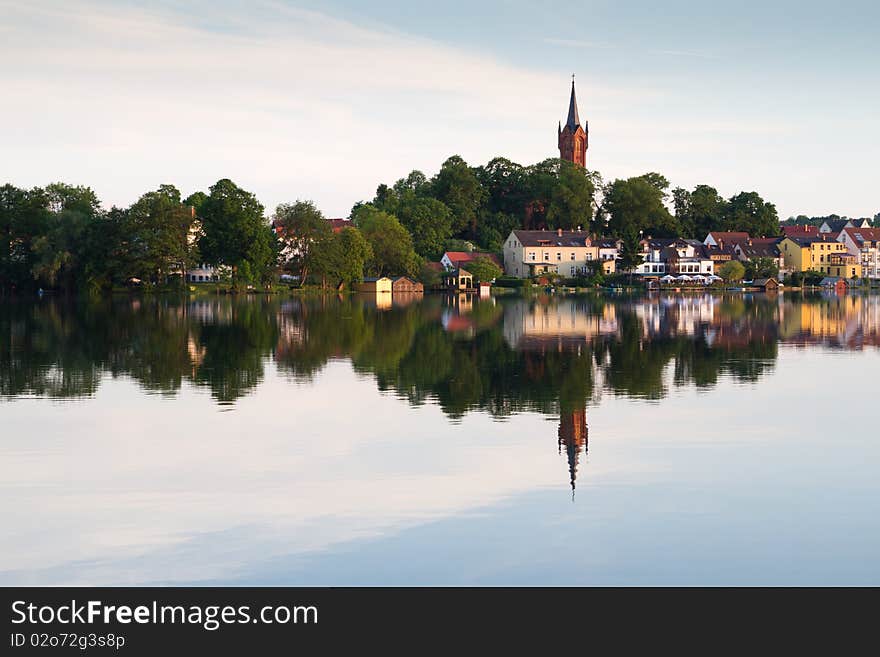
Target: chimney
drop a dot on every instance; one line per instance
(559, 232)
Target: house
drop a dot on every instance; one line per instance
(674, 256)
(203, 273)
(864, 243)
(759, 248)
(837, 225)
(406, 285)
(565, 252)
(718, 238)
(378, 285)
(459, 279)
(821, 253)
(454, 259)
(766, 284)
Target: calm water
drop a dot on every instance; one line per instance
(584, 440)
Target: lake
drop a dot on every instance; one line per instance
(690, 439)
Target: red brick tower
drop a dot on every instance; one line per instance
(572, 137)
(573, 436)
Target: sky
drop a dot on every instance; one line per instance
(326, 100)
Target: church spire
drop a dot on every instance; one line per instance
(572, 137)
(573, 120)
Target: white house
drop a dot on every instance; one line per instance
(563, 252)
(674, 256)
(864, 243)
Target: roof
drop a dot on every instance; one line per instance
(373, 279)
(729, 236)
(761, 282)
(861, 235)
(552, 237)
(836, 225)
(606, 242)
(457, 258)
(436, 266)
(338, 224)
(395, 279)
(759, 249)
(795, 231)
(573, 121)
(807, 240)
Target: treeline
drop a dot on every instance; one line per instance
(483, 204)
(59, 236)
(804, 220)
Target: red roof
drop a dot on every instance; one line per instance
(732, 236)
(860, 235)
(338, 224)
(459, 258)
(800, 231)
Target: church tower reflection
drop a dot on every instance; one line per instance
(573, 436)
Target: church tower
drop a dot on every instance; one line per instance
(573, 137)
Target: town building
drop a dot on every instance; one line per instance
(821, 253)
(800, 231)
(573, 138)
(565, 252)
(837, 225)
(455, 259)
(761, 248)
(674, 256)
(864, 244)
(720, 238)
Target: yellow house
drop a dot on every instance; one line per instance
(821, 254)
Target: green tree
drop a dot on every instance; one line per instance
(699, 212)
(302, 226)
(391, 245)
(630, 255)
(429, 222)
(235, 233)
(637, 204)
(158, 237)
(484, 269)
(457, 186)
(23, 219)
(761, 268)
(338, 259)
(572, 199)
(749, 213)
(732, 270)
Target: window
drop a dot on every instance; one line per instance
(546, 256)
(531, 255)
(572, 270)
(572, 255)
(558, 256)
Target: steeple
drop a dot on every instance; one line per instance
(572, 138)
(573, 120)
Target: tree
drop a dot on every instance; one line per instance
(761, 268)
(636, 204)
(630, 255)
(339, 258)
(23, 218)
(301, 226)
(390, 243)
(572, 198)
(699, 212)
(484, 269)
(732, 270)
(458, 187)
(428, 221)
(158, 237)
(235, 233)
(749, 213)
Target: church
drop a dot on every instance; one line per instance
(573, 138)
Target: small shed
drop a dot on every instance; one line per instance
(839, 285)
(766, 284)
(406, 285)
(459, 279)
(375, 285)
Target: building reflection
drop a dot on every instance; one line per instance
(573, 437)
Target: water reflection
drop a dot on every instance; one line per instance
(503, 356)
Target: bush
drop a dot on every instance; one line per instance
(510, 281)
